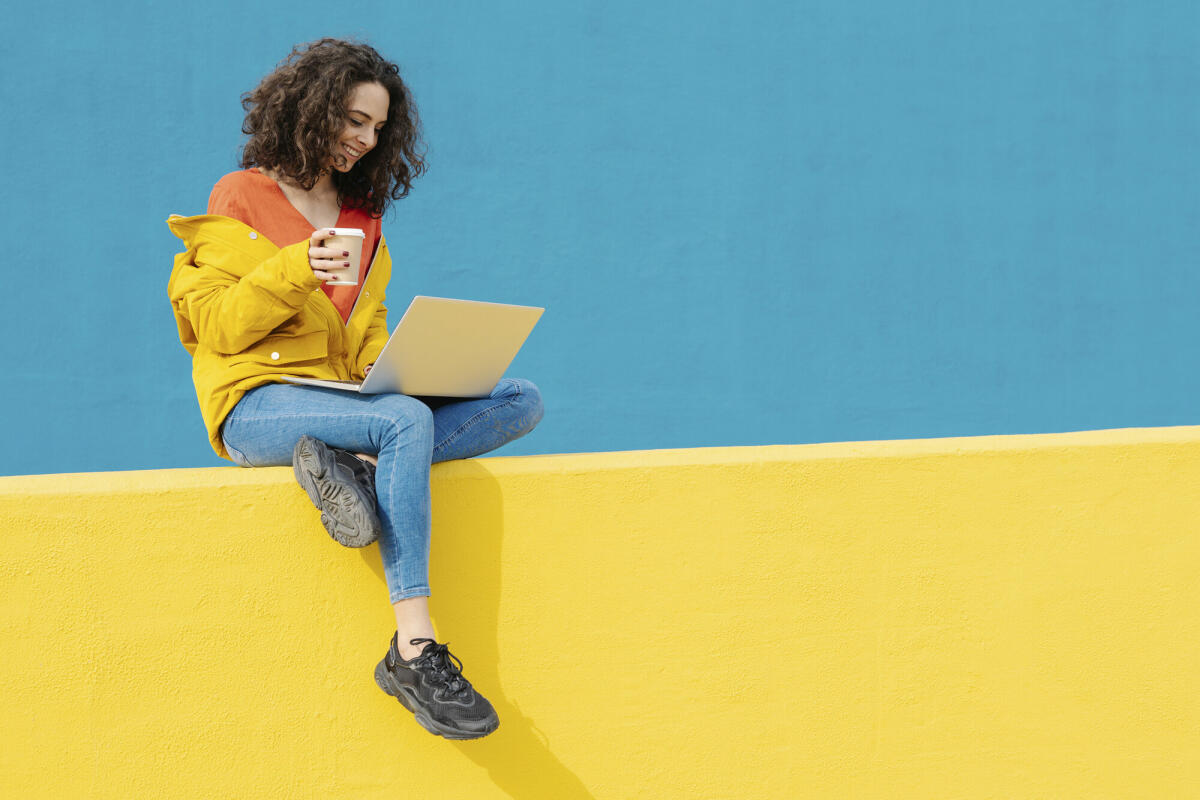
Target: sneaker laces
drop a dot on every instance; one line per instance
(445, 665)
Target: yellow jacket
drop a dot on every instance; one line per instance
(250, 312)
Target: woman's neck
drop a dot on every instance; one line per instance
(321, 190)
(324, 186)
(319, 205)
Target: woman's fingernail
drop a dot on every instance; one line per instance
(345, 263)
(345, 252)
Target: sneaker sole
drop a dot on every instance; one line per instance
(345, 513)
(404, 695)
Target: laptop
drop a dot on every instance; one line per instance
(445, 348)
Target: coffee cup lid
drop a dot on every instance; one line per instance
(349, 232)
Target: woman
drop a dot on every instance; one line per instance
(333, 139)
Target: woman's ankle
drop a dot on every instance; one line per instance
(412, 622)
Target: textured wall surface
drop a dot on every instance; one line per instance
(992, 617)
(752, 223)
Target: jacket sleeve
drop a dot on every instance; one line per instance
(373, 342)
(230, 314)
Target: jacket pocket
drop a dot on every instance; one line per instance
(282, 350)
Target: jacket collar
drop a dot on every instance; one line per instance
(209, 229)
(213, 228)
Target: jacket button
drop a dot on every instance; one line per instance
(253, 235)
(274, 356)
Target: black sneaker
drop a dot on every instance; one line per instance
(432, 686)
(342, 486)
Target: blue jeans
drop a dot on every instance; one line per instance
(406, 433)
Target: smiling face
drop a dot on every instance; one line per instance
(366, 114)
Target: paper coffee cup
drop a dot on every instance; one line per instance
(349, 240)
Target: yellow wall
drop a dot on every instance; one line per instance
(991, 617)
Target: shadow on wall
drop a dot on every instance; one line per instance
(465, 577)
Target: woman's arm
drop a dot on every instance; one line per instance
(229, 314)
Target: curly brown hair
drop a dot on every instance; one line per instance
(294, 116)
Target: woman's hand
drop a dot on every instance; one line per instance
(367, 368)
(326, 263)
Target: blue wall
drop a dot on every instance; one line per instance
(750, 223)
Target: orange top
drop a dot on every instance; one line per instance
(251, 197)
